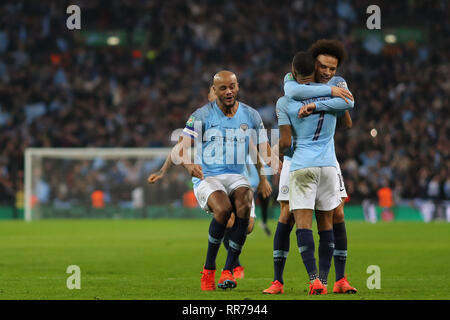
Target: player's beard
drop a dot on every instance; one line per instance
(228, 103)
(322, 79)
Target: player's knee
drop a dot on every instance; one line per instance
(290, 220)
(338, 214)
(324, 225)
(286, 216)
(286, 219)
(243, 210)
(324, 220)
(223, 213)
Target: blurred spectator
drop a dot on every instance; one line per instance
(57, 91)
(386, 201)
(98, 199)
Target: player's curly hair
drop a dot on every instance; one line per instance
(329, 47)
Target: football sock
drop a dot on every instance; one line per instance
(280, 249)
(340, 249)
(226, 244)
(326, 248)
(215, 236)
(305, 242)
(238, 235)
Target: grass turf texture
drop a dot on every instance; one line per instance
(162, 259)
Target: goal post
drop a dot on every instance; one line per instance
(62, 183)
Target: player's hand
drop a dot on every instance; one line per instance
(306, 110)
(264, 188)
(341, 93)
(155, 176)
(194, 170)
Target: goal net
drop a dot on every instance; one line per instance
(104, 183)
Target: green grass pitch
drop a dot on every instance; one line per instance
(162, 260)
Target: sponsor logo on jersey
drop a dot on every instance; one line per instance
(290, 77)
(190, 122)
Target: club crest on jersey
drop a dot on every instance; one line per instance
(244, 126)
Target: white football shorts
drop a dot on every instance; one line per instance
(314, 188)
(283, 190)
(252, 211)
(283, 185)
(340, 182)
(225, 182)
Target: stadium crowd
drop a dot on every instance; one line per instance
(56, 91)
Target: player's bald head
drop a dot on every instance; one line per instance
(224, 76)
(226, 88)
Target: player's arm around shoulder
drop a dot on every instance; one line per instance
(298, 91)
(339, 88)
(334, 105)
(340, 83)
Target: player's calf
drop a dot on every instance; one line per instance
(326, 248)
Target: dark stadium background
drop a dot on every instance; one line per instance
(71, 88)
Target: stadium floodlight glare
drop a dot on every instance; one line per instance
(390, 38)
(373, 132)
(47, 169)
(113, 41)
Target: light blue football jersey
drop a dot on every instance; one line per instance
(222, 143)
(297, 91)
(313, 136)
(294, 90)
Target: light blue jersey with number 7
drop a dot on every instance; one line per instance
(314, 135)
